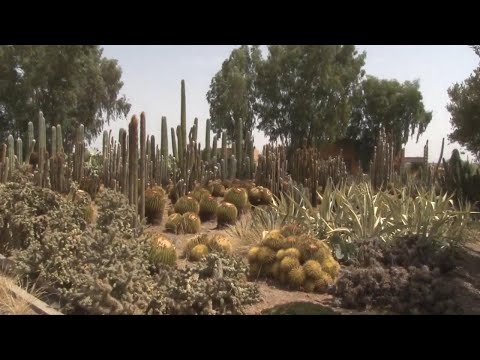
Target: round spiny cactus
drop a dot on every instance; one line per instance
(174, 223)
(187, 204)
(255, 270)
(274, 240)
(172, 195)
(255, 196)
(218, 190)
(226, 214)
(313, 269)
(266, 196)
(238, 197)
(280, 254)
(163, 252)
(309, 285)
(220, 244)
(288, 263)
(331, 267)
(191, 223)
(292, 252)
(273, 269)
(88, 214)
(253, 254)
(198, 252)
(208, 208)
(199, 193)
(154, 204)
(322, 284)
(194, 241)
(296, 277)
(265, 255)
(291, 241)
(291, 230)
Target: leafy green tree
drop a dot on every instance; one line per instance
(71, 84)
(232, 91)
(304, 92)
(464, 108)
(396, 107)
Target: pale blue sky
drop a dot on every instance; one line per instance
(152, 75)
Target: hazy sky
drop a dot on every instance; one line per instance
(152, 75)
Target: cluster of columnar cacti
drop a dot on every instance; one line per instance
(272, 168)
(382, 163)
(299, 261)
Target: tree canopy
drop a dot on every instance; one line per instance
(464, 108)
(304, 92)
(396, 107)
(70, 84)
(232, 91)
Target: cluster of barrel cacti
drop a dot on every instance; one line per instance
(298, 261)
(200, 246)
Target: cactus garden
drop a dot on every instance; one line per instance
(188, 223)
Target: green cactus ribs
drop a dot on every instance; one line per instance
(226, 214)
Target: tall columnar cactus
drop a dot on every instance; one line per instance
(164, 143)
(105, 156)
(3, 164)
(42, 147)
(239, 144)
(180, 146)
(195, 131)
(214, 148)
(59, 139)
(174, 144)
(11, 152)
(233, 168)
(143, 162)
(224, 146)
(80, 153)
(53, 152)
(20, 151)
(183, 121)
(133, 165)
(207, 141)
(124, 154)
(152, 159)
(31, 141)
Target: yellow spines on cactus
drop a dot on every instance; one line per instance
(220, 244)
(322, 284)
(292, 252)
(238, 197)
(226, 214)
(296, 277)
(162, 252)
(274, 240)
(199, 193)
(194, 241)
(313, 269)
(253, 254)
(208, 208)
(288, 263)
(331, 267)
(291, 230)
(255, 196)
(273, 269)
(290, 241)
(174, 223)
(280, 254)
(309, 285)
(191, 223)
(88, 214)
(266, 196)
(198, 252)
(187, 204)
(265, 255)
(154, 204)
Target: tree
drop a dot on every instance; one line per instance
(464, 108)
(396, 107)
(70, 84)
(232, 92)
(304, 92)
